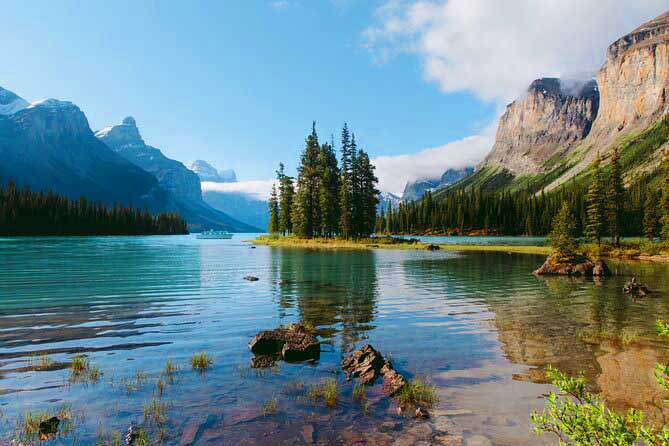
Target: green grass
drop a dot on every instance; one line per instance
(417, 392)
(327, 390)
(155, 412)
(201, 362)
(108, 438)
(359, 392)
(81, 370)
(170, 370)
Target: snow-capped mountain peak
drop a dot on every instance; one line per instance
(10, 103)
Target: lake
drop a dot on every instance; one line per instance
(478, 326)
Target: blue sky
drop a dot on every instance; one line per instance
(237, 83)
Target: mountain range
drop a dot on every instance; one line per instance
(49, 145)
(551, 134)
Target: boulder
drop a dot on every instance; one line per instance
(578, 266)
(251, 278)
(294, 343)
(635, 289)
(365, 364)
(48, 428)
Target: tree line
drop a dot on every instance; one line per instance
(604, 207)
(329, 197)
(26, 212)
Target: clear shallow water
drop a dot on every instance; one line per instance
(478, 240)
(477, 325)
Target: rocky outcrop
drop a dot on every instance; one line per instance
(578, 266)
(207, 172)
(553, 116)
(366, 365)
(126, 140)
(634, 81)
(294, 343)
(635, 289)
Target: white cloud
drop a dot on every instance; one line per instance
(394, 171)
(495, 48)
(259, 189)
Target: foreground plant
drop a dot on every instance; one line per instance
(327, 390)
(201, 361)
(577, 417)
(417, 392)
(81, 370)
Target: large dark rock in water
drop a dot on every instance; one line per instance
(295, 343)
(48, 428)
(578, 266)
(366, 364)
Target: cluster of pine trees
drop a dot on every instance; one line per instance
(330, 197)
(25, 212)
(605, 207)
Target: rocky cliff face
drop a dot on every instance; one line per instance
(173, 176)
(552, 117)
(10, 103)
(634, 81)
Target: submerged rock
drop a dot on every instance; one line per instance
(48, 428)
(578, 266)
(251, 278)
(366, 364)
(432, 247)
(634, 288)
(295, 343)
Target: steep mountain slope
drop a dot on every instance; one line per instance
(10, 103)
(173, 176)
(241, 206)
(552, 133)
(49, 145)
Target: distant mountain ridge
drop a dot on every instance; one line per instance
(414, 190)
(49, 145)
(207, 172)
(172, 175)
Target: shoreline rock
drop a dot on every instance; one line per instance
(635, 289)
(295, 343)
(578, 267)
(367, 365)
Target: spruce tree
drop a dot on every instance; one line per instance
(286, 196)
(328, 191)
(345, 185)
(650, 216)
(561, 237)
(595, 214)
(273, 224)
(306, 212)
(368, 195)
(616, 197)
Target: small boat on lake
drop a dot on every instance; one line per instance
(210, 234)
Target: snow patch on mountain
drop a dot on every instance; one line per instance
(259, 189)
(10, 103)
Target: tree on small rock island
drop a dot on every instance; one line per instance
(561, 238)
(616, 198)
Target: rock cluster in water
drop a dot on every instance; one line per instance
(367, 365)
(635, 289)
(578, 266)
(293, 343)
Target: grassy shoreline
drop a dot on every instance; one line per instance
(390, 243)
(636, 251)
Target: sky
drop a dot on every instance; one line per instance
(238, 83)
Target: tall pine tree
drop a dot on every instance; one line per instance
(596, 210)
(286, 196)
(273, 224)
(664, 220)
(345, 229)
(306, 211)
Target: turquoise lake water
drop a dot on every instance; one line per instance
(479, 326)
